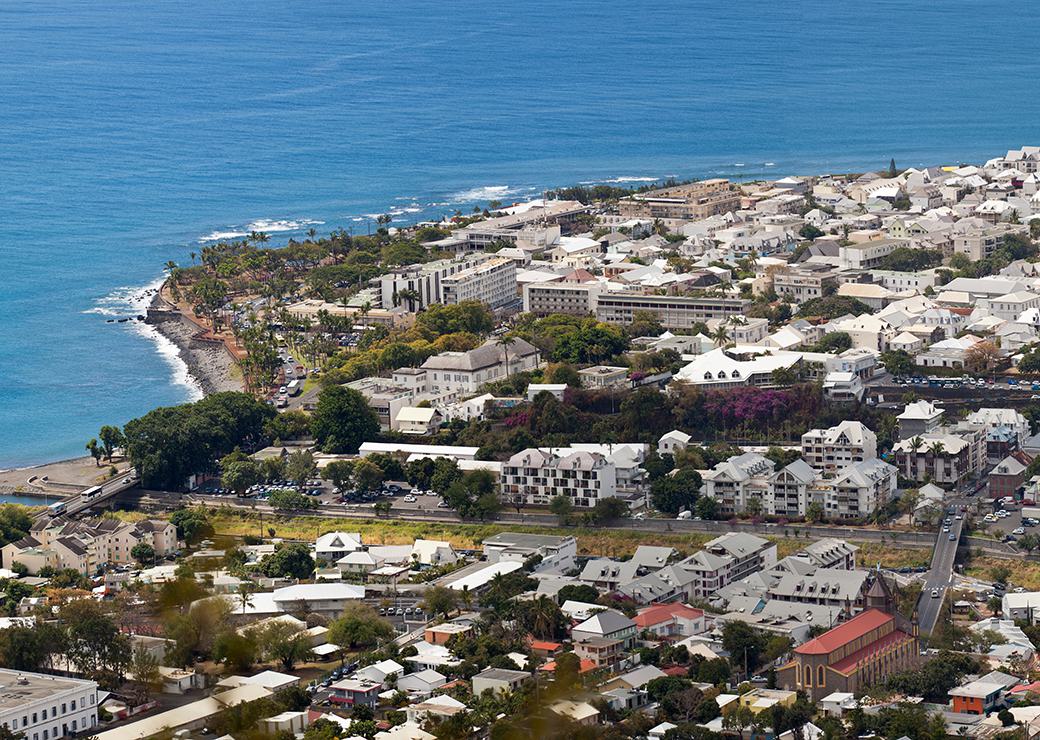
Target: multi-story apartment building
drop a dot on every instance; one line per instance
(537, 476)
(537, 225)
(673, 311)
(691, 202)
(978, 243)
(36, 706)
(919, 417)
(492, 282)
(945, 457)
(85, 545)
(418, 286)
(991, 418)
(748, 482)
(791, 490)
(829, 450)
(576, 299)
(735, 482)
(858, 491)
(803, 283)
(724, 560)
(867, 255)
(465, 372)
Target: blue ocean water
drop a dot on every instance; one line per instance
(130, 131)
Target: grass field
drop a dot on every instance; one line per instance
(1025, 573)
(617, 543)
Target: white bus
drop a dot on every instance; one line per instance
(56, 509)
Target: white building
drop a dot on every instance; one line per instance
(859, 490)
(492, 282)
(828, 450)
(724, 368)
(536, 477)
(419, 286)
(42, 707)
(997, 418)
(466, 372)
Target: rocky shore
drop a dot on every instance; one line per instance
(209, 363)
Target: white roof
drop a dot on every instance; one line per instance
(319, 592)
(483, 576)
(371, 448)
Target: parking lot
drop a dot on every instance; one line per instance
(1011, 525)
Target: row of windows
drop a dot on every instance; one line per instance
(42, 716)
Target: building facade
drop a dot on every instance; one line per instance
(862, 652)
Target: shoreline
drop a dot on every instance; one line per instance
(209, 364)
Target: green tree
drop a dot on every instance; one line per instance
(359, 626)
(440, 600)
(95, 451)
(578, 592)
(289, 424)
(300, 467)
(674, 493)
(706, 508)
(286, 499)
(743, 643)
(144, 666)
(567, 671)
(94, 643)
(342, 420)
(368, 476)
(143, 553)
(287, 643)
(474, 495)
(340, 472)
(240, 475)
(289, 561)
(561, 507)
(234, 650)
(111, 438)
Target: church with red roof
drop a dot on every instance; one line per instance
(861, 652)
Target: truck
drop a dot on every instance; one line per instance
(294, 388)
(56, 509)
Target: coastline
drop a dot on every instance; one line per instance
(209, 364)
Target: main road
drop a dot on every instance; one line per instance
(940, 575)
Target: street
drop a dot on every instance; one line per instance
(939, 575)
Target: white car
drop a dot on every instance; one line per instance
(410, 499)
(1018, 530)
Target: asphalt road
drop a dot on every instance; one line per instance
(939, 577)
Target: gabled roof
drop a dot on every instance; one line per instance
(606, 622)
(843, 634)
(663, 612)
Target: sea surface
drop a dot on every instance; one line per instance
(131, 133)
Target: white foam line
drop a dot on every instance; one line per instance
(128, 301)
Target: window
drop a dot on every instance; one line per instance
(808, 675)
(820, 677)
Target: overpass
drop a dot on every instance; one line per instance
(94, 496)
(939, 576)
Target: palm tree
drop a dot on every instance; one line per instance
(720, 336)
(410, 297)
(170, 266)
(504, 341)
(936, 448)
(543, 617)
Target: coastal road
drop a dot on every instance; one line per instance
(939, 576)
(98, 495)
